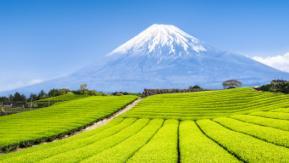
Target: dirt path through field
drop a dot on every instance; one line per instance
(106, 120)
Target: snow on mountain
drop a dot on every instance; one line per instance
(161, 39)
(164, 56)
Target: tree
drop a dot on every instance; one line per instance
(42, 94)
(4, 99)
(53, 93)
(280, 86)
(32, 97)
(63, 91)
(18, 97)
(231, 84)
(195, 88)
(11, 97)
(276, 86)
(83, 89)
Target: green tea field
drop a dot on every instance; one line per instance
(34, 126)
(234, 125)
(66, 97)
(208, 104)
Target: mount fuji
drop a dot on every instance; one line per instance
(164, 56)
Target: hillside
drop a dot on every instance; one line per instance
(66, 97)
(45, 102)
(236, 125)
(43, 124)
(207, 104)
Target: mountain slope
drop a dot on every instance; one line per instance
(164, 56)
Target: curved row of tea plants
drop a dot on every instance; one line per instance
(263, 121)
(27, 128)
(244, 146)
(272, 114)
(174, 128)
(157, 140)
(207, 104)
(268, 134)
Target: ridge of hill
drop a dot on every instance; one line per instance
(207, 104)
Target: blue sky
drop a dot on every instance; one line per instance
(45, 39)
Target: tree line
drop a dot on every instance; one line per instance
(228, 84)
(83, 90)
(21, 98)
(276, 86)
(149, 92)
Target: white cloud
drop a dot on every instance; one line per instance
(280, 62)
(18, 84)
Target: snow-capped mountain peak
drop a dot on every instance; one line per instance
(160, 39)
(163, 56)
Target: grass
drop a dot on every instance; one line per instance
(66, 97)
(237, 125)
(197, 146)
(45, 102)
(127, 148)
(285, 110)
(268, 134)
(208, 104)
(11, 110)
(42, 151)
(271, 114)
(275, 123)
(35, 126)
(245, 147)
(98, 146)
(162, 147)
(156, 140)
